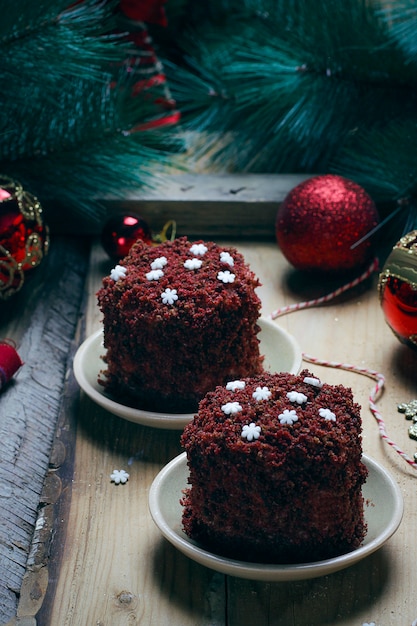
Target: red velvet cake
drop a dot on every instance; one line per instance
(275, 470)
(179, 319)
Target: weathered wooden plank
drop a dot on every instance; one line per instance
(229, 206)
(41, 319)
(217, 206)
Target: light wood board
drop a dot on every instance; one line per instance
(109, 565)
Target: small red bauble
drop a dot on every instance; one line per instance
(10, 362)
(24, 238)
(398, 289)
(120, 233)
(321, 219)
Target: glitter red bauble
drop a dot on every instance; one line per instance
(120, 233)
(398, 289)
(24, 238)
(321, 219)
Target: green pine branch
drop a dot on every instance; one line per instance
(67, 106)
(262, 86)
(303, 86)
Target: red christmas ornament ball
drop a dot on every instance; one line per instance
(321, 219)
(24, 238)
(120, 232)
(397, 288)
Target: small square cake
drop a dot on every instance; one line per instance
(179, 318)
(276, 470)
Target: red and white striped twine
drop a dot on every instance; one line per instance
(377, 376)
(330, 296)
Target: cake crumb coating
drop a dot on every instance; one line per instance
(179, 318)
(289, 493)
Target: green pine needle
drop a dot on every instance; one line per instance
(262, 85)
(67, 78)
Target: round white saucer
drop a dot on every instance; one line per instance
(383, 514)
(281, 351)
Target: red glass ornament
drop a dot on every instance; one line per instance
(321, 220)
(398, 289)
(120, 232)
(24, 238)
(10, 362)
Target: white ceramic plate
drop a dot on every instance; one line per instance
(383, 514)
(281, 351)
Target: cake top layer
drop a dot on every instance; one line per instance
(177, 276)
(284, 415)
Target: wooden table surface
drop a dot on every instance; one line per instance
(106, 563)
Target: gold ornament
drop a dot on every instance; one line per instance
(398, 289)
(24, 238)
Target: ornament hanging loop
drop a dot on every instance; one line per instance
(171, 228)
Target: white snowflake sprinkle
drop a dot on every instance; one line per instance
(227, 258)
(310, 380)
(159, 263)
(169, 296)
(232, 385)
(231, 407)
(288, 417)
(199, 249)
(119, 476)
(118, 272)
(154, 275)
(327, 414)
(261, 393)
(193, 264)
(226, 277)
(251, 431)
(296, 396)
